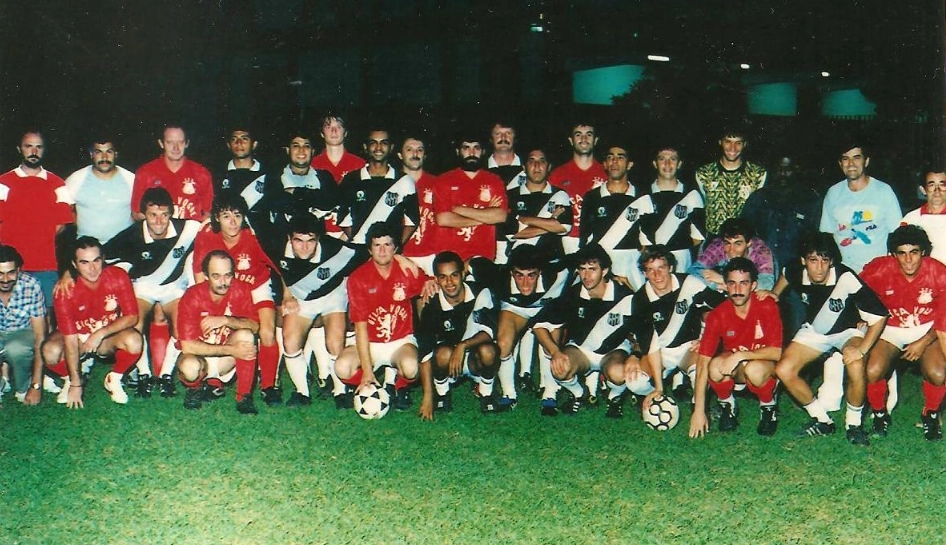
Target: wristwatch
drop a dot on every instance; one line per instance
(36, 386)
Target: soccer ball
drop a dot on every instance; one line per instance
(663, 414)
(372, 402)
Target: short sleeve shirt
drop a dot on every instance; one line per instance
(26, 302)
(384, 303)
(762, 327)
(91, 308)
(196, 304)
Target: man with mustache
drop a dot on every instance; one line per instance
(102, 192)
(504, 162)
(34, 207)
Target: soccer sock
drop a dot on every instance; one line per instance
(390, 376)
(677, 380)
(592, 380)
(245, 374)
(191, 384)
(831, 391)
(507, 376)
(124, 360)
(144, 362)
(268, 365)
(892, 392)
(338, 387)
(816, 410)
(279, 340)
(315, 344)
(442, 386)
(852, 417)
(549, 385)
(400, 382)
(296, 366)
(723, 390)
(572, 385)
(932, 397)
(158, 337)
(525, 352)
(170, 358)
(877, 395)
(59, 369)
(615, 390)
(486, 386)
(765, 393)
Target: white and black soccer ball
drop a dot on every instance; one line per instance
(663, 414)
(372, 402)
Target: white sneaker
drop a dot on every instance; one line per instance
(50, 385)
(113, 385)
(63, 396)
(4, 386)
(20, 396)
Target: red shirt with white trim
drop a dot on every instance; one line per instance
(31, 207)
(576, 182)
(251, 265)
(191, 187)
(91, 308)
(384, 303)
(424, 240)
(761, 327)
(913, 302)
(196, 304)
(455, 188)
(348, 163)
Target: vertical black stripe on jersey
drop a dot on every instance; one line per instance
(598, 325)
(376, 199)
(129, 251)
(554, 276)
(536, 204)
(439, 325)
(598, 212)
(511, 175)
(832, 308)
(309, 280)
(675, 317)
(673, 216)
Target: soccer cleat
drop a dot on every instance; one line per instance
(525, 384)
(727, 417)
(193, 398)
(856, 436)
(571, 405)
(63, 397)
(402, 399)
(325, 387)
(681, 394)
(345, 400)
(443, 403)
(506, 404)
(932, 427)
(615, 408)
(814, 428)
(549, 407)
(298, 400)
(881, 422)
(50, 385)
(272, 396)
(113, 385)
(20, 396)
(166, 383)
(488, 404)
(144, 386)
(246, 406)
(213, 389)
(591, 400)
(768, 420)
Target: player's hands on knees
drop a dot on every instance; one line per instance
(91, 344)
(244, 350)
(210, 323)
(915, 350)
(74, 399)
(699, 425)
(560, 364)
(850, 354)
(290, 305)
(455, 365)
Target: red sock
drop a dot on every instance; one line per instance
(268, 365)
(766, 392)
(723, 388)
(158, 337)
(877, 395)
(932, 396)
(245, 374)
(124, 360)
(400, 383)
(59, 369)
(190, 384)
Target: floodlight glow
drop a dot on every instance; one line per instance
(658, 58)
(825, 74)
(744, 66)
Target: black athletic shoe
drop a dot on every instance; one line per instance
(549, 407)
(727, 418)
(246, 406)
(681, 394)
(571, 404)
(856, 436)
(193, 398)
(881, 422)
(298, 400)
(506, 404)
(166, 383)
(768, 420)
(525, 384)
(213, 389)
(402, 399)
(814, 428)
(325, 387)
(932, 427)
(488, 404)
(272, 396)
(615, 408)
(444, 403)
(143, 390)
(345, 400)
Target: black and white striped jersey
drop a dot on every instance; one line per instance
(512, 175)
(598, 325)
(838, 304)
(539, 204)
(610, 219)
(675, 317)
(155, 261)
(314, 192)
(443, 323)
(367, 199)
(672, 218)
(553, 278)
(316, 277)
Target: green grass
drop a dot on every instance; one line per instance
(151, 472)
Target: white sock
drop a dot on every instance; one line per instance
(390, 375)
(816, 410)
(852, 417)
(279, 341)
(892, 395)
(572, 385)
(549, 386)
(442, 386)
(144, 362)
(338, 387)
(731, 401)
(615, 390)
(831, 392)
(592, 381)
(486, 386)
(507, 376)
(677, 380)
(526, 350)
(323, 358)
(297, 368)
(170, 358)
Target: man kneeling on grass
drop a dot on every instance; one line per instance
(97, 319)
(750, 332)
(217, 331)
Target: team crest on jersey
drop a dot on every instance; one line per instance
(680, 211)
(243, 262)
(225, 184)
(259, 186)
(681, 307)
(581, 312)
(111, 303)
(283, 264)
(485, 194)
(360, 196)
(390, 198)
(146, 255)
(631, 214)
(614, 319)
(550, 207)
(925, 297)
(657, 317)
(428, 196)
(178, 252)
(804, 298)
(835, 304)
(322, 273)
(758, 330)
(447, 325)
(399, 293)
(602, 212)
(520, 206)
(189, 186)
(521, 179)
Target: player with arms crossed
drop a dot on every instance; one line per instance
(750, 332)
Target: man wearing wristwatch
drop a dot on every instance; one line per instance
(22, 325)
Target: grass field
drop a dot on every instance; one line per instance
(151, 472)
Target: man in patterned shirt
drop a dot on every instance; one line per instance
(727, 182)
(22, 326)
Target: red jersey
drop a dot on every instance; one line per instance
(250, 263)
(91, 308)
(455, 188)
(348, 163)
(196, 304)
(576, 182)
(31, 207)
(911, 302)
(760, 328)
(385, 303)
(424, 239)
(191, 187)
